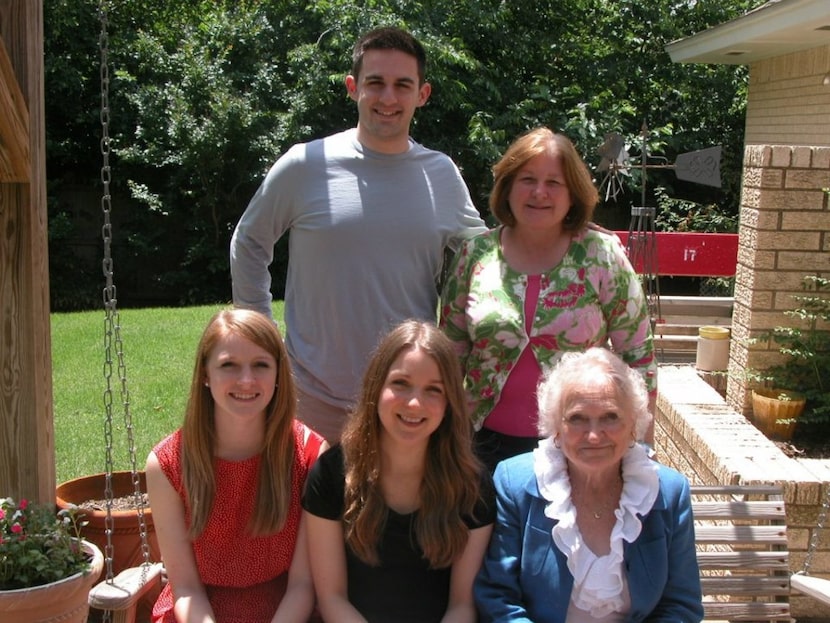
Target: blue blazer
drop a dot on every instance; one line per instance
(526, 578)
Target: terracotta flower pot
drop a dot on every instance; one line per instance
(126, 536)
(64, 601)
(771, 406)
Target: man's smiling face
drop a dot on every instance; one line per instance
(387, 92)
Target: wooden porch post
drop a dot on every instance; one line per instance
(27, 445)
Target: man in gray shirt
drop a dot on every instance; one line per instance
(370, 212)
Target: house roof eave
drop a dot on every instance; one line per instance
(776, 28)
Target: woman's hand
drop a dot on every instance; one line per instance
(298, 601)
(191, 604)
(461, 607)
(327, 553)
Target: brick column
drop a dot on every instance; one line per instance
(784, 234)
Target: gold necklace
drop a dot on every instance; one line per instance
(600, 513)
(597, 514)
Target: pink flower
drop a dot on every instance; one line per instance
(17, 528)
(23, 504)
(2, 514)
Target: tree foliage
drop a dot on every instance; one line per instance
(205, 95)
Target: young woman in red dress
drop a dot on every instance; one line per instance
(225, 488)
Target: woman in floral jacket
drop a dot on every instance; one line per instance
(545, 282)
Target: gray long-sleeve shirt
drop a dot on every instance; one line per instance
(367, 234)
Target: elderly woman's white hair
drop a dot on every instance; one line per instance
(553, 389)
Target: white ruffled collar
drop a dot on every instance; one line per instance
(599, 582)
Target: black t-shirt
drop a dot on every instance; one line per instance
(402, 589)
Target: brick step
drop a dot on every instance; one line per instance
(672, 329)
(675, 342)
(693, 305)
(696, 310)
(698, 320)
(668, 357)
(676, 337)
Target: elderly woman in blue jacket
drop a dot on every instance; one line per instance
(588, 527)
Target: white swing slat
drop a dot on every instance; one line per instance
(741, 538)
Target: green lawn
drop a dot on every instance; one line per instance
(159, 345)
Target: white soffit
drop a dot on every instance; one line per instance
(776, 28)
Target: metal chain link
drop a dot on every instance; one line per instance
(816, 533)
(112, 328)
(109, 289)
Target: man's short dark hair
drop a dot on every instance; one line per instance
(389, 38)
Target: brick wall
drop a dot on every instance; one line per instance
(698, 434)
(784, 234)
(788, 103)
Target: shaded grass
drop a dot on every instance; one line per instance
(159, 345)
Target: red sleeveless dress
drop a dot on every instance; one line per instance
(244, 576)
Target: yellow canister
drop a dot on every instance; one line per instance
(712, 348)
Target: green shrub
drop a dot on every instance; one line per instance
(806, 345)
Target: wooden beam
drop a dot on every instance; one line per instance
(14, 124)
(27, 444)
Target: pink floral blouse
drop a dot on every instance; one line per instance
(591, 298)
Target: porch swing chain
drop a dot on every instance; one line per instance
(816, 533)
(112, 329)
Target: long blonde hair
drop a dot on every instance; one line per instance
(199, 428)
(450, 487)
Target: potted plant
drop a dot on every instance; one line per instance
(801, 382)
(88, 493)
(776, 411)
(46, 569)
